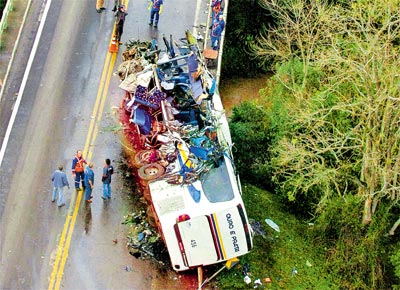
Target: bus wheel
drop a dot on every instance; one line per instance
(151, 171)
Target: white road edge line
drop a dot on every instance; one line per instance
(4, 81)
(24, 80)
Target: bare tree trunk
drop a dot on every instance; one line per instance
(374, 204)
(367, 211)
(394, 227)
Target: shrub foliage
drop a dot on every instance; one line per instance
(330, 145)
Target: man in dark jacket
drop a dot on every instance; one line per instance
(108, 170)
(119, 21)
(117, 3)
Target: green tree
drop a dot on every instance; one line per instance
(342, 101)
(245, 19)
(335, 111)
(249, 126)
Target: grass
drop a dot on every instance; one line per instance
(289, 257)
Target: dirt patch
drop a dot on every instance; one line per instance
(235, 91)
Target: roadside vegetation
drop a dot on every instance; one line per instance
(318, 152)
(2, 5)
(245, 18)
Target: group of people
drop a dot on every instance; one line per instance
(119, 13)
(82, 173)
(156, 8)
(100, 5)
(217, 24)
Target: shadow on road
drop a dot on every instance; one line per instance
(87, 216)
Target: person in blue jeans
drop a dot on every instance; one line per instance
(216, 31)
(78, 168)
(155, 7)
(59, 179)
(108, 170)
(89, 182)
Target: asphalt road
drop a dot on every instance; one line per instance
(68, 104)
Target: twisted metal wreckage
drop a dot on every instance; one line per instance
(184, 152)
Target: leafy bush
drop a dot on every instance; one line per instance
(395, 261)
(249, 126)
(331, 130)
(356, 255)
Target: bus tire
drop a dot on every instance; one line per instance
(151, 171)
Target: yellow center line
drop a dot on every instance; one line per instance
(69, 225)
(66, 236)
(101, 108)
(96, 105)
(68, 241)
(59, 251)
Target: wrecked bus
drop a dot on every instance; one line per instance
(177, 125)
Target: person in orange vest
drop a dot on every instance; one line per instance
(78, 168)
(156, 8)
(216, 8)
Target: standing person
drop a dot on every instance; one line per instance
(108, 170)
(89, 182)
(155, 7)
(216, 31)
(120, 20)
(100, 6)
(117, 3)
(78, 167)
(216, 7)
(59, 179)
